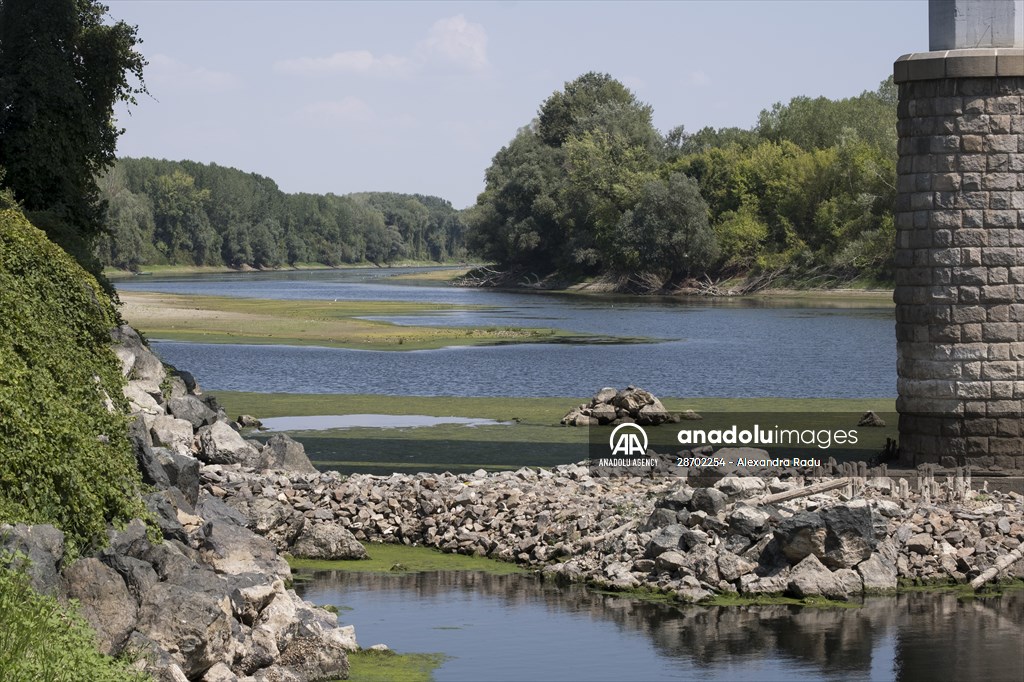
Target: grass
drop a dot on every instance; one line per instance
(387, 666)
(335, 324)
(385, 557)
(535, 437)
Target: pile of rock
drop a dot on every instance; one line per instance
(210, 602)
(610, 406)
(662, 533)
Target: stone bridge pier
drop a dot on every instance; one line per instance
(960, 238)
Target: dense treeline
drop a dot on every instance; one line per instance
(591, 187)
(183, 212)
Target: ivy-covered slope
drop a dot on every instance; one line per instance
(65, 457)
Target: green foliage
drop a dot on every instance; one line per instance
(170, 212)
(64, 58)
(65, 457)
(44, 641)
(590, 187)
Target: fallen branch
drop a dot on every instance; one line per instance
(1001, 563)
(813, 489)
(587, 543)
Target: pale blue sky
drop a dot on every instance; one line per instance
(417, 97)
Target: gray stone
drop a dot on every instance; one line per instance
(43, 546)
(810, 578)
(193, 410)
(233, 550)
(283, 453)
(328, 541)
(220, 444)
(104, 601)
(666, 539)
(708, 500)
(877, 574)
(748, 521)
(174, 434)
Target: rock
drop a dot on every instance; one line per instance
(732, 567)
(690, 590)
(43, 546)
(193, 410)
(841, 536)
(220, 444)
(138, 363)
(664, 540)
(182, 472)
(165, 515)
(921, 543)
(194, 626)
(141, 400)
(605, 395)
(248, 602)
(850, 535)
(670, 561)
(328, 541)
(104, 601)
(741, 486)
(233, 550)
(677, 499)
(877, 574)
(247, 421)
(220, 672)
(748, 521)
(212, 508)
(173, 434)
(152, 473)
(283, 453)
(871, 419)
(315, 659)
(138, 575)
(279, 523)
(810, 578)
(708, 500)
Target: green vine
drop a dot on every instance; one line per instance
(65, 457)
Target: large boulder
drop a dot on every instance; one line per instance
(666, 539)
(283, 453)
(748, 521)
(193, 410)
(138, 362)
(810, 578)
(104, 601)
(328, 541)
(277, 521)
(195, 627)
(42, 546)
(234, 550)
(220, 444)
(171, 433)
(841, 536)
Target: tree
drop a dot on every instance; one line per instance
(62, 70)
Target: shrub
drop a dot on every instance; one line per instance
(65, 457)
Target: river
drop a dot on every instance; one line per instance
(518, 628)
(707, 348)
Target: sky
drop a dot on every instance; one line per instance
(330, 96)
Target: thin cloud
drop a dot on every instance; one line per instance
(699, 78)
(350, 61)
(456, 41)
(169, 71)
(453, 41)
(345, 110)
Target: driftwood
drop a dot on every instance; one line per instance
(812, 489)
(595, 540)
(1001, 563)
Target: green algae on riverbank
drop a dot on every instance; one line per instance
(395, 558)
(370, 665)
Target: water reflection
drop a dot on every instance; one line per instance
(506, 627)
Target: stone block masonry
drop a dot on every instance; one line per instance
(960, 257)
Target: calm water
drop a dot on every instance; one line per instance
(707, 348)
(517, 628)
